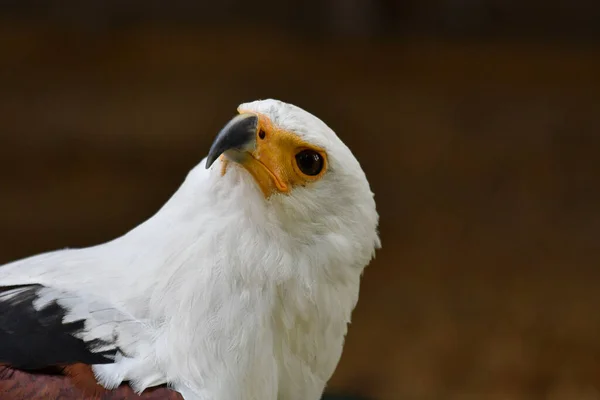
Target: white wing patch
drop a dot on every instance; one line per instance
(42, 326)
(103, 321)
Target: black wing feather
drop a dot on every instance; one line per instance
(32, 339)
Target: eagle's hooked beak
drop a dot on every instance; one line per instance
(237, 139)
(267, 152)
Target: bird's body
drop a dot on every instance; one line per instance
(232, 290)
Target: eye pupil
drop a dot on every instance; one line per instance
(261, 134)
(310, 162)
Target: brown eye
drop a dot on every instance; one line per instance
(261, 134)
(310, 162)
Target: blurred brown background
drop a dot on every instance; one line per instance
(477, 122)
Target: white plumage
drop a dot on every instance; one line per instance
(228, 292)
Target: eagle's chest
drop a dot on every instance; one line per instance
(308, 340)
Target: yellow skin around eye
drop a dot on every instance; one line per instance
(273, 163)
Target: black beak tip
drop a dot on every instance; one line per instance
(211, 158)
(236, 135)
(209, 162)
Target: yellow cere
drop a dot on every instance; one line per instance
(273, 164)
